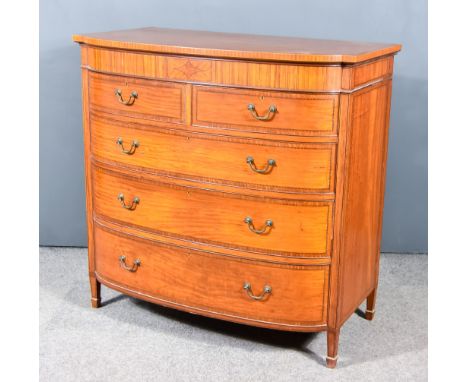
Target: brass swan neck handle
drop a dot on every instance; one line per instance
(131, 99)
(132, 148)
(132, 206)
(268, 224)
(133, 268)
(268, 116)
(265, 170)
(263, 296)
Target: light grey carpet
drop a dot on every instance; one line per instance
(131, 340)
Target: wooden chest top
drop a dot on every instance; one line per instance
(238, 46)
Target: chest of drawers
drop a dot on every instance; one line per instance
(238, 177)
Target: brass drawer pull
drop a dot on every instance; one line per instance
(249, 221)
(269, 115)
(133, 268)
(131, 150)
(130, 207)
(131, 99)
(265, 170)
(263, 296)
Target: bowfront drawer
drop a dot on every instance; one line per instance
(256, 224)
(255, 164)
(291, 295)
(148, 99)
(265, 112)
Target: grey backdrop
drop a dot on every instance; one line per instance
(62, 203)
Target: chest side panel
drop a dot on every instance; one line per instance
(363, 195)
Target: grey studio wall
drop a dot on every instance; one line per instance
(62, 198)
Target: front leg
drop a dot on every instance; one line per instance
(95, 291)
(332, 347)
(370, 308)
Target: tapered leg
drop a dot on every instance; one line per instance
(370, 309)
(332, 347)
(95, 292)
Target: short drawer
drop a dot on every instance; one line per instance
(217, 218)
(148, 99)
(264, 111)
(256, 164)
(288, 295)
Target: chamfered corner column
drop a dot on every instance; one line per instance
(95, 291)
(370, 307)
(333, 336)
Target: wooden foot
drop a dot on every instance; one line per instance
(332, 347)
(370, 309)
(95, 292)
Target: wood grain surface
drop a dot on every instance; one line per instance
(298, 227)
(236, 45)
(95, 285)
(250, 74)
(363, 195)
(155, 99)
(298, 168)
(210, 283)
(296, 114)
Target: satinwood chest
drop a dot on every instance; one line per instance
(234, 176)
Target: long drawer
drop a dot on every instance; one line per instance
(288, 295)
(232, 220)
(139, 98)
(265, 112)
(258, 164)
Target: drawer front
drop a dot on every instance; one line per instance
(214, 283)
(257, 224)
(155, 100)
(265, 112)
(255, 164)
